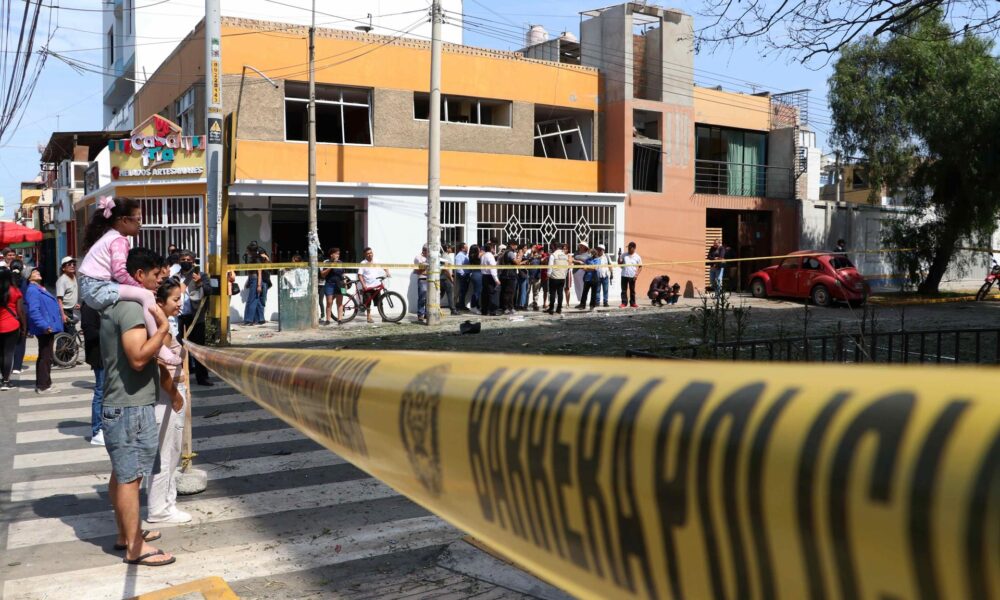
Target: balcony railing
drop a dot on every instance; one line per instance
(743, 179)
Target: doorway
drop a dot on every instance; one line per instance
(748, 233)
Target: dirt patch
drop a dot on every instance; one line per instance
(610, 332)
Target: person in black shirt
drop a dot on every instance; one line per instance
(333, 285)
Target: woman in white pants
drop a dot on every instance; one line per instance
(169, 410)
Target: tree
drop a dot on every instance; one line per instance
(811, 28)
(923, 107)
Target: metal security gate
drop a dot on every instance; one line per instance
(175, 221)
(591, 224)
(452, 222)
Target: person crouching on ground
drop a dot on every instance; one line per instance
(659, 290)
(128, 418)
(170, 414)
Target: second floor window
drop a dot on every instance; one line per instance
(184, 109)
(343, 114)
(460, 109)
(730, 161)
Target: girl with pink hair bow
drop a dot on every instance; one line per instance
(103, 277)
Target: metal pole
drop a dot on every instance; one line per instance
(434, 174)
(313, 233)
(213, 156)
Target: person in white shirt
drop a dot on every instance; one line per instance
(559, 262)
(369, 277)
(463, 276)
(490, 281)
(8, 257)
(420, 261)
(630, 272)
(603, 274)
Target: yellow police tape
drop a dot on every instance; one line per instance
(617, 479)
(662, 263)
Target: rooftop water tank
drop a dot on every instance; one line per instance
(536, 35)
(567, 36)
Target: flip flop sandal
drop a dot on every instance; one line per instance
(142, 560)
(145, 537)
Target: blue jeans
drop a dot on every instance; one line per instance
(476, 277)
(422, 298)
(131, 438)
(464, 282)
(254, 311)
(97, 401)
(603, 285)
(717, 277)
(522, 292)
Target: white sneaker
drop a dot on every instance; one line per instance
(177, 516)
(98, 440)
(16, 372)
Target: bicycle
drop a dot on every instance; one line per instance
(67, 345)
(391, 305)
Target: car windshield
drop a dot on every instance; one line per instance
(840, 262)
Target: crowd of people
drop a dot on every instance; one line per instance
(499, 279)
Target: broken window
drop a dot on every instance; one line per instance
(563, 133)
(646, 167)
(343, 115)
(460, 109)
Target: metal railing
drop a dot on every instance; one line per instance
(942, 346)
(743, 179)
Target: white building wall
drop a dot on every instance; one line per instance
(396, 229)
(862, 227)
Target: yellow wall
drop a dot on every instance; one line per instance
(727, 109)
(286, 161)
(405, 65)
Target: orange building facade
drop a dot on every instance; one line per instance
(605, 140)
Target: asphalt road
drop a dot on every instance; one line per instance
(281, 518)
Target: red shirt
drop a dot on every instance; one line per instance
(8, 316)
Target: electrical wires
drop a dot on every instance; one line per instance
(20, 64)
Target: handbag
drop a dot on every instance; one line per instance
(234, 289)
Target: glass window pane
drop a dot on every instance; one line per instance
(355, 95)
(296, 89)
(356, 125)
(328, 128)
(421, 106)
(296, 121)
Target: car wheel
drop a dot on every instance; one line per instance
(820, 296)
(758, 289)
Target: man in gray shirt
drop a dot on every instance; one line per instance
(67, 291)
(131, 380)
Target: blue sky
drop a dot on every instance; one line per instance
(72, 101)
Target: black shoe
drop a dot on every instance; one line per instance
(605, 305)
(205, 382)
(550, 311)
(559, 311)
(580, 307)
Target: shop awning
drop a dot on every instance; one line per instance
(12, 233)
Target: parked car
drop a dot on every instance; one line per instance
(822, 277)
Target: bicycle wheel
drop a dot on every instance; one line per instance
(350, 308)
(984, 291)
(392, 307)
(65, 350)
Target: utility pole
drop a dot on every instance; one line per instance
(313, 233)
(434, 174)
(213, 160)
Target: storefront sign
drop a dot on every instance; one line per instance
(157, 148)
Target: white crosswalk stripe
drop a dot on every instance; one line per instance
(271, 494)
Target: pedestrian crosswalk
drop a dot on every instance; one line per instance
(277, 507)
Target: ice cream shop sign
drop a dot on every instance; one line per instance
(157, 148)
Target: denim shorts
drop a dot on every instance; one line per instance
(131, 438)
(332, 289)
(96, 293)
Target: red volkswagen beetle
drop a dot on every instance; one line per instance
(820, 276)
